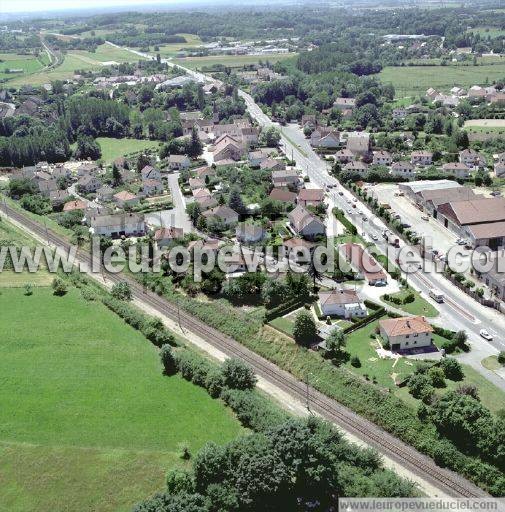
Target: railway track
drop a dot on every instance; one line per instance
(447, 481)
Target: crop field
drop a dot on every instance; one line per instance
(114, 148)
(76, 60)
(233, 61)
(88, 420)
(415, 80)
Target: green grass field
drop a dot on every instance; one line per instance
(415, 80)
(78, 60)
(233, 61)
(88, 421)
(169, 50)
(26, 63)
(488, 31)
(114, 148)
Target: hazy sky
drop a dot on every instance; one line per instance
(44, 5)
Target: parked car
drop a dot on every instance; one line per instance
(425, 217)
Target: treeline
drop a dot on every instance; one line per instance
(97, 116)
(285, 464)
(49, 144)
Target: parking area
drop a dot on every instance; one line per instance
(442, 238)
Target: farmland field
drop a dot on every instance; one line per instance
(230, 60)
(88, 420)
(415, 80)
(114, 148)
(76, 60)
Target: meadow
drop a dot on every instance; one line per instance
(78, 60)
(114, 148)
(169, 50)
(88, 421)
(26, 63)
(415, 80)
(233, 61)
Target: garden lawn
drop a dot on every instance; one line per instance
(283, 324)
(88, 421)
(114, 148)
(415, 80)
(360, 344)
(419, 306)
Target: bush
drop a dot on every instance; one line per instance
(355, 362)
(168, 360)
(121, 291)
(437, 377)
(238, 375)
(304, 330)
(501, 357)
(214, 382)
(452, 368)
(59, 287)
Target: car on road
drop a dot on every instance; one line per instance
(349, 211)
(360, 212)
(484, 334)
(425, 217)
(374, 237)
(340, 193)
(365, 219)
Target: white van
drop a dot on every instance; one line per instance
(437, 295)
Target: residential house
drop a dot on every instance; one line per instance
(206, 202)
(309, 121)
(356, 166)
(342, 303)
(227, 148)
(403, 170)
(125, 198)
(283, 195)
(151, 187)
(250, 135)
(310, 197)
(472, 158)
(105, 193)
(204, 172)
(224, 213)
(499, 170)
(272, 164)
(406, 333)
(178, 162)
(344, 156)
(256, 157)
(382, 158)
(285, 178)
(88, 184)
(344, 103)
(359, 143)
(364, 264)
(399, 113)
(150, 173)
(119, 224)
(47, 186)
(199, 193)
(195, 183)
(457, 169)
(325, 137)
(57, 197)
(247, 232)
(165, 236)
(421, 158)
(305, 223)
